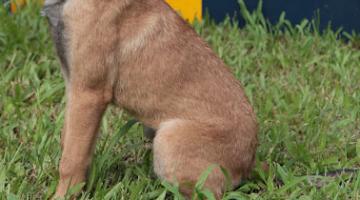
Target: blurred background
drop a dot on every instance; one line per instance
(334, 13)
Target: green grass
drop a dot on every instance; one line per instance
(303, 84)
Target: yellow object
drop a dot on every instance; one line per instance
(189, 9)
(15, 4)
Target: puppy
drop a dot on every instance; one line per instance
(141, 56)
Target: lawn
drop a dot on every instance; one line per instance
(303, 83)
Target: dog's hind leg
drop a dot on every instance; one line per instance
(183, 151)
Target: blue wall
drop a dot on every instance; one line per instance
(340, 13)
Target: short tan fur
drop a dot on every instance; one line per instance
(141, 56)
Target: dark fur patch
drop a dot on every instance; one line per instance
(149, 132)
(54, 12)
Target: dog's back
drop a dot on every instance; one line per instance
(143, 57)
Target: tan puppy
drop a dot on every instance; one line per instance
(141, 56)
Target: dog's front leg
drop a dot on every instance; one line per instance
(84, 111)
